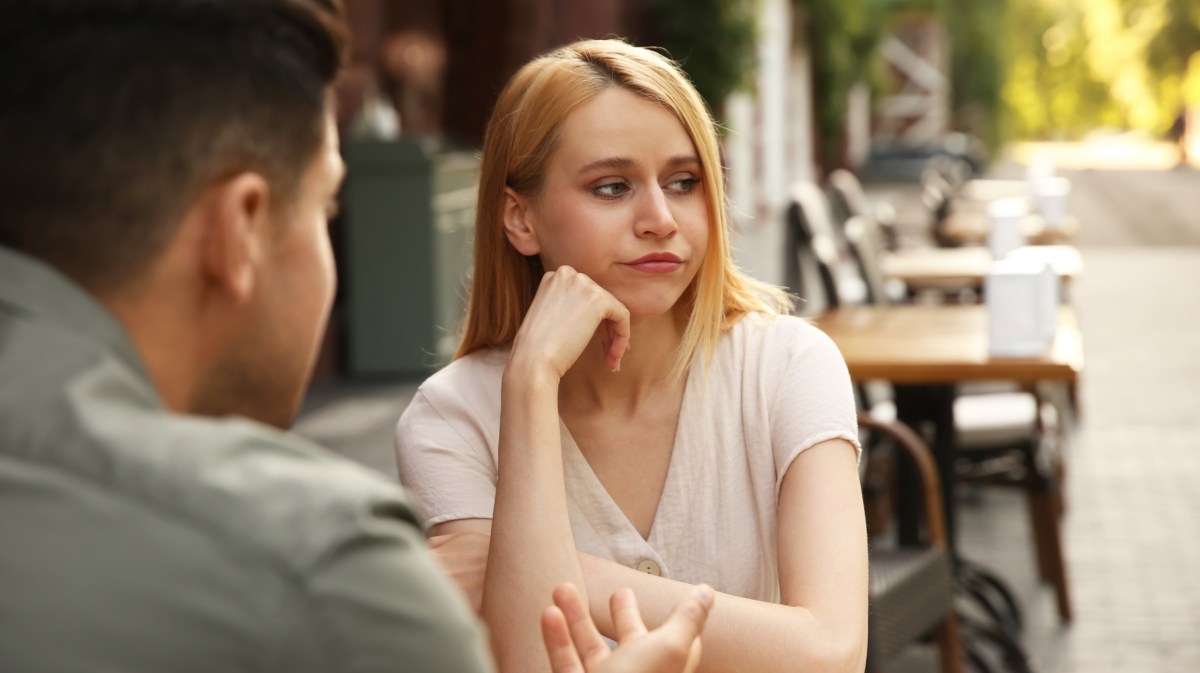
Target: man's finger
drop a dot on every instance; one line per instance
(687, 620)
(626, 618)
(588, 643)
(560, 649)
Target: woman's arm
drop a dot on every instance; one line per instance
(532, 549)
(821, 624)
(822, 621)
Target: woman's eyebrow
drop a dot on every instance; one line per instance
(609, 162)
(626, 162)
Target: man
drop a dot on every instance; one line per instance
(165, 277)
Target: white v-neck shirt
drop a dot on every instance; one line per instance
(776, 386)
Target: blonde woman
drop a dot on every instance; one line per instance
(627, 409)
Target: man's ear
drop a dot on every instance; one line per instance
(237, 223)
(518, 225)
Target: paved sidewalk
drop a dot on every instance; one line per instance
(1133, 486)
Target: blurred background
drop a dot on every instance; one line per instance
(927, 104)
(801, 87)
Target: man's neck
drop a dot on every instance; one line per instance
(167, 337)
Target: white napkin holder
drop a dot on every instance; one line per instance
(1050, 197)
(1004, 225)
(1021, 299)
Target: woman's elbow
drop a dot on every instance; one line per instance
(843, 652)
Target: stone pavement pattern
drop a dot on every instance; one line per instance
(1133, 512)
(1132, 526)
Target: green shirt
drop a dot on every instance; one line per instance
(136, 539)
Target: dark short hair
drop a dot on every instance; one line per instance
(115, 114)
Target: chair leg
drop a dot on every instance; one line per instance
(950, 646)
(1047, 533)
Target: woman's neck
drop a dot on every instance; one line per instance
(645, 370)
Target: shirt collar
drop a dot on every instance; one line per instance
(32, 287)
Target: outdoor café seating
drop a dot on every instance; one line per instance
(911, 588)
(1008, 435)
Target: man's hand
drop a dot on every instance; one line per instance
(575, 646)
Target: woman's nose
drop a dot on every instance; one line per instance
(655, 217)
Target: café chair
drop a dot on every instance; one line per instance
(1005, 437)
(911, 588)
(848, 199)
(941, 181)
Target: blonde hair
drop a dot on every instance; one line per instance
(522, 136)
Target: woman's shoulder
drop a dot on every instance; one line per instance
(774, 335)
(471, 381)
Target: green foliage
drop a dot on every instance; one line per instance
(712, 39)
(976, 66)
(843, 35)
(1176, 40)
(1079, 65)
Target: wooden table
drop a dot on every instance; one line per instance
(926, 351)
(969, 226)
(952, 268)
(943, 344)
(990, 190)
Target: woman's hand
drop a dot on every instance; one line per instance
(575, 646)
(463, 556)
(567, 311)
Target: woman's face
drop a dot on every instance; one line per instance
(623, 202)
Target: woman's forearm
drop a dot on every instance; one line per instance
(531, 549)
(742, 634)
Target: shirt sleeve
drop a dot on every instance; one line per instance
(443, 458)
(813, 400)
(380, 603)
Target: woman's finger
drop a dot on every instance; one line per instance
(588, 643)
(557, 637)
(626, 618)
(617, 327)
(568, 311)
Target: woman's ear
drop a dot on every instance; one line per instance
(518, 225)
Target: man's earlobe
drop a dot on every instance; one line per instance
(238, 222)
(518, 225)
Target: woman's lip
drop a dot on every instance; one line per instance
(656, 257)
(655, 266)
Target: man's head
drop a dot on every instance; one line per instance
(181, 150)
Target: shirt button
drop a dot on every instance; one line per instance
(649, 567)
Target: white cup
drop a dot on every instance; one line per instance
(1004, 226)
(1050, 197)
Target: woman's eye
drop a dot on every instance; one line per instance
(683, 186)
(612, 190)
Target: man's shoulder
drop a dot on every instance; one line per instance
(268, 491)
(260, 493)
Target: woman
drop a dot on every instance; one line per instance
(626, 408)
